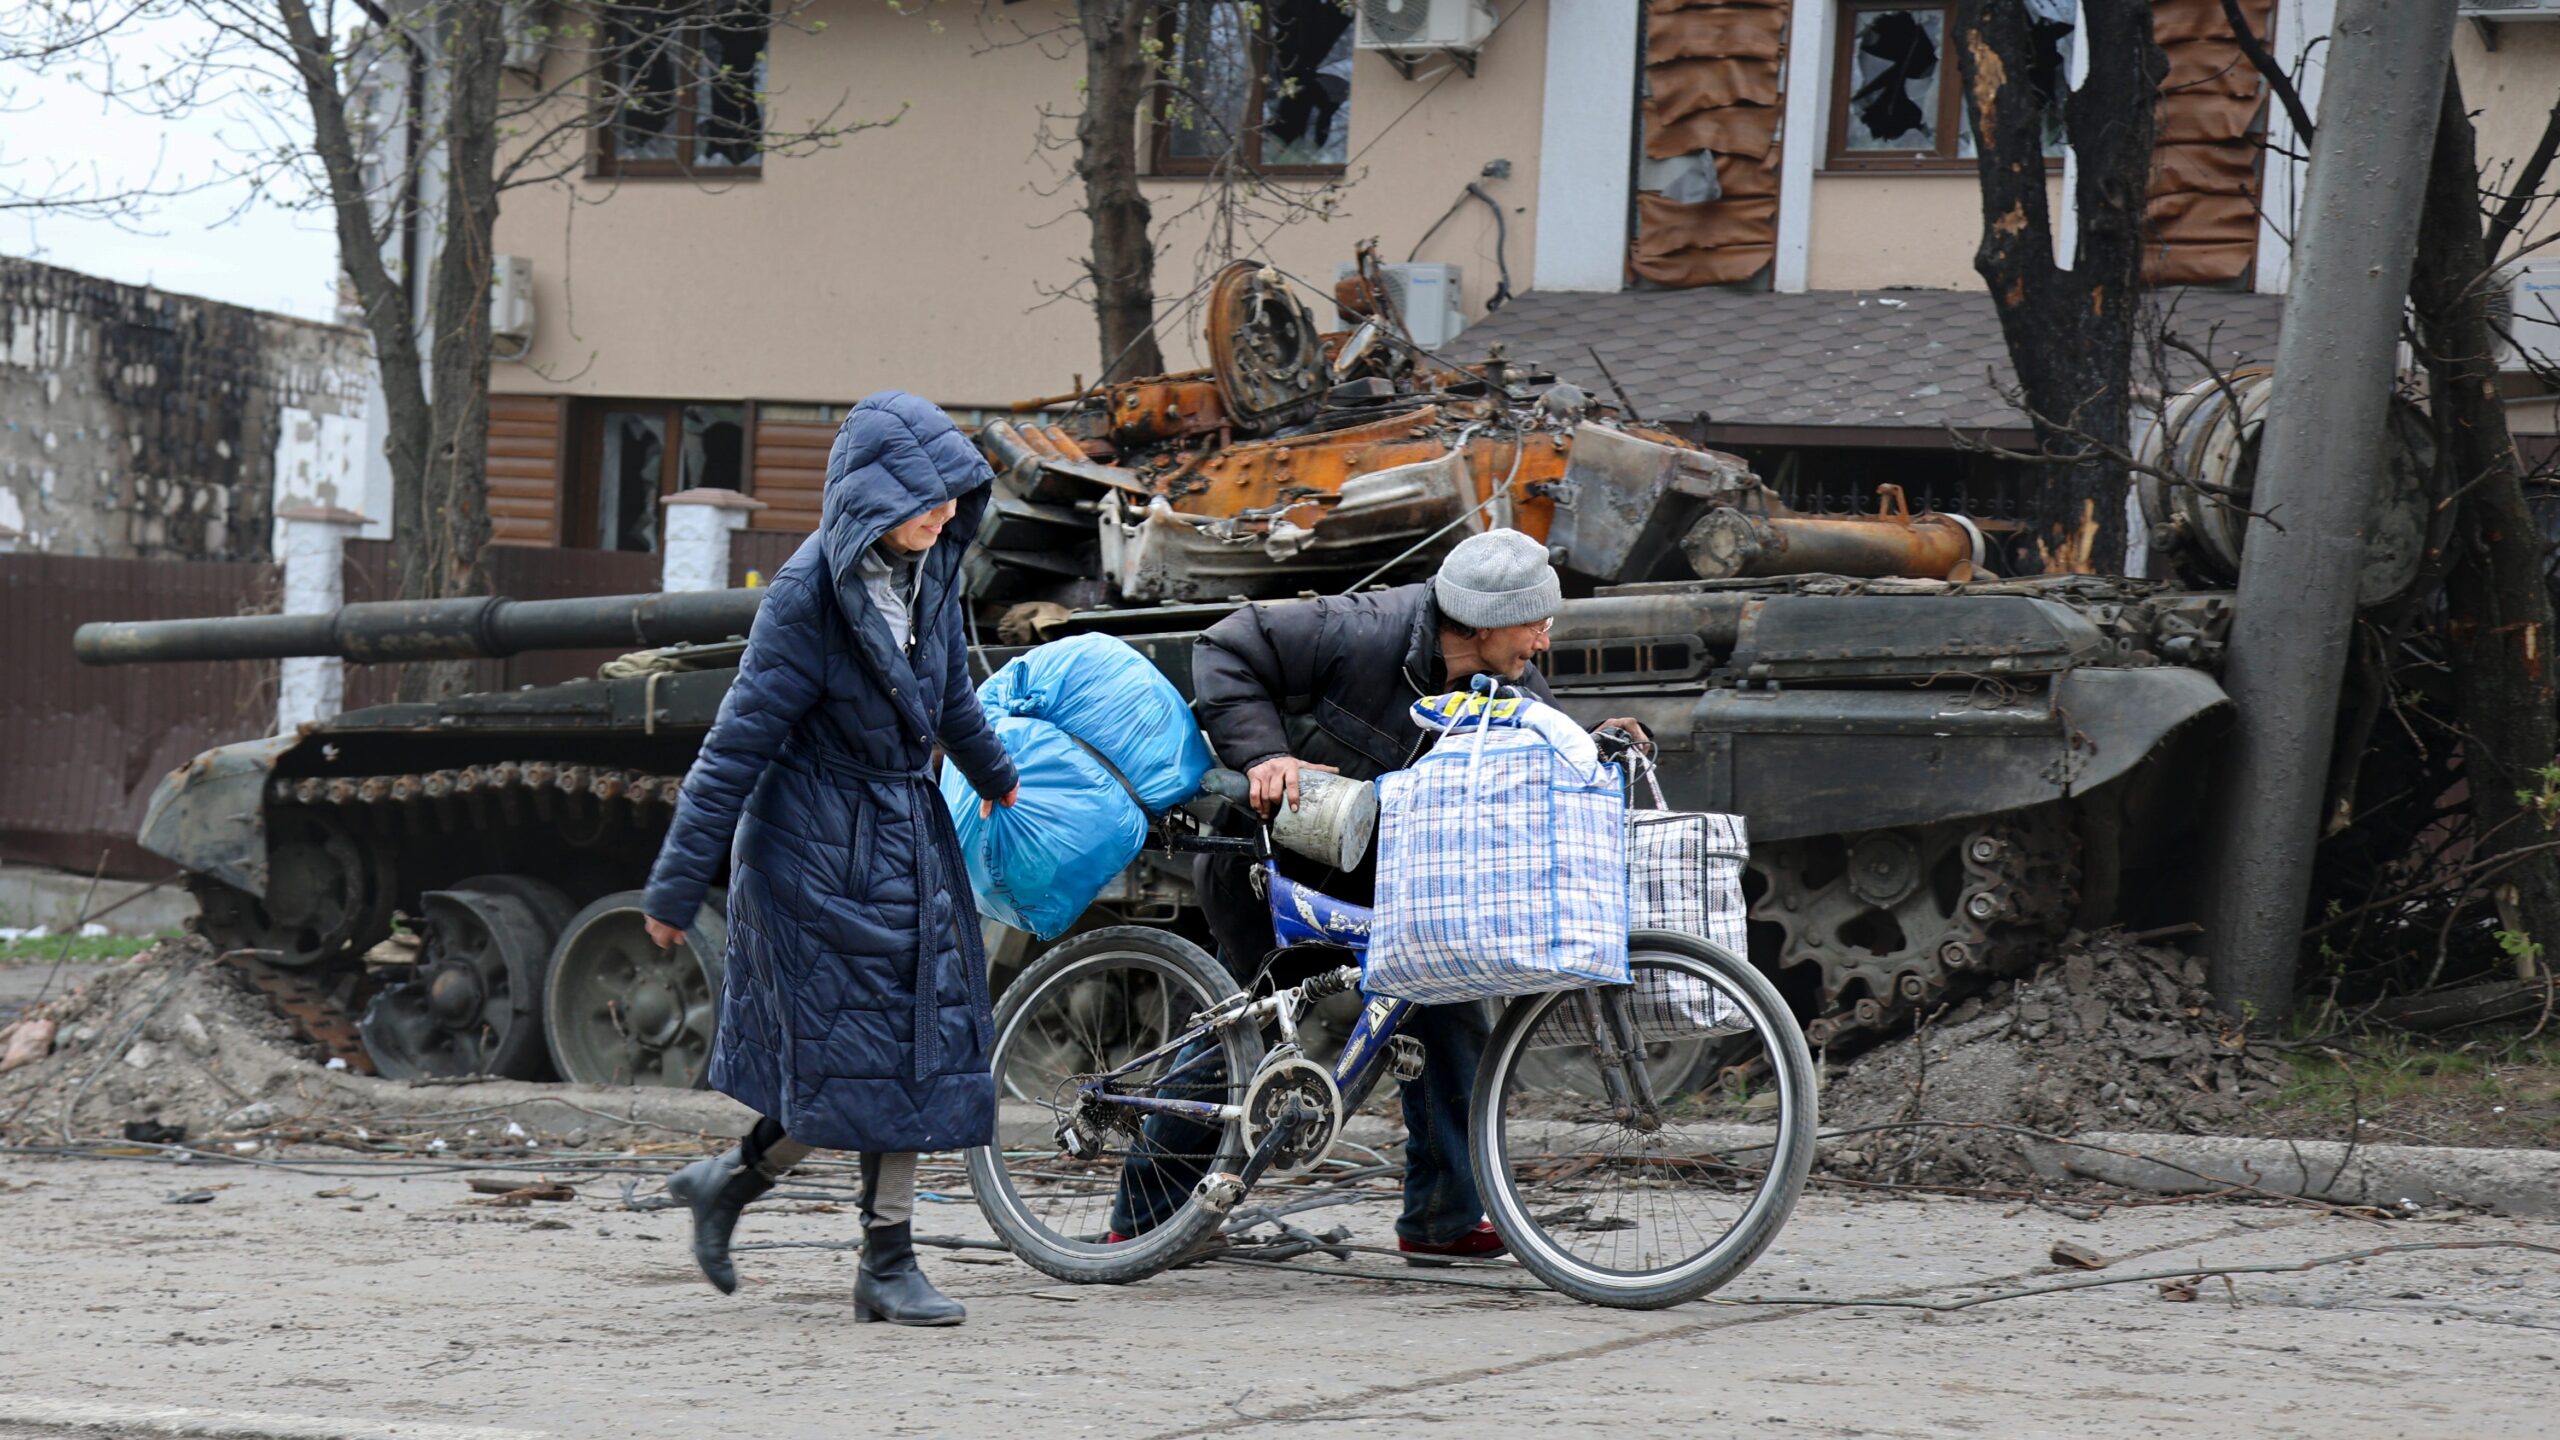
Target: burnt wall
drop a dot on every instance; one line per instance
(143, 425)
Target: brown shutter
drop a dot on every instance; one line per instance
(1711, 83)
(525, 433)
(791, 472)
(2202, 225)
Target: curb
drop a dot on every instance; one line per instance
(2393, 1177)
(687, 1112)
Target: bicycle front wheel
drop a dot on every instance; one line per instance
(1608, 1210)
(1098, 1003)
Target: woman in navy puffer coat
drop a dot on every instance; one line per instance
(854, 1015)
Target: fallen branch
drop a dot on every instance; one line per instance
(2468, 1006)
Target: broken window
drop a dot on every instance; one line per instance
(1263, 86)
(683, 88)
(635, 453)
(1898, 97)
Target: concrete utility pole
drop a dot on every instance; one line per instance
(2321, 463)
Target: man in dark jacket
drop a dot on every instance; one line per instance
(1327, 685)
(854, 1013)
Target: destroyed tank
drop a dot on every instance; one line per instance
(1941, 770)
(1938, 779)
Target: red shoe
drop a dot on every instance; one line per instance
(1114, 1237)
(1480, 1243)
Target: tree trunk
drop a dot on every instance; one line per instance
(383, 296)
(1123, 263)
(441, 541)
(2069, 332)
(2498, 613)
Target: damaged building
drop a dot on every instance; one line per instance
(138, 424)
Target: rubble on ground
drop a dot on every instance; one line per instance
(173, 1047)
(2109, 1035)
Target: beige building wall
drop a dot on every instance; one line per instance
(1869, 231)
(927, 254)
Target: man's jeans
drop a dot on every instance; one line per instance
(1440, 1200)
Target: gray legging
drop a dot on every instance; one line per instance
(888, 1180)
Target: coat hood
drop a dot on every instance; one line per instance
(896, 457)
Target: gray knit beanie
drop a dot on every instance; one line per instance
(1500, 577)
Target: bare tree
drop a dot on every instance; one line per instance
(2070, 332)
(1142, 74)
(311, 71)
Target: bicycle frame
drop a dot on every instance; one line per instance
(1300, 915)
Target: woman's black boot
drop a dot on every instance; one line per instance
(717, 1188)
(892, 1286)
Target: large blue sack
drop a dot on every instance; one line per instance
(1038, 865)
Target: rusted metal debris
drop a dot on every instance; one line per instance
(1301, 460)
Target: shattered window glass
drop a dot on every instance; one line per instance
(1260, 85)
(715, 447)
(1213, 63)
(729, 120)
(685, 80)
(631, 460)
(1306, 92)
(648, 82)
(1895, 65)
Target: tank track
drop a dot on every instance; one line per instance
(319, 1005)
(325, 1000)
(1980, 899)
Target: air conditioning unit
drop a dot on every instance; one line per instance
(1426, 295)
(2524, 315)
(511, 305)
(1407, 30)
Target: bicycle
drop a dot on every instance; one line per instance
(1600, 1118)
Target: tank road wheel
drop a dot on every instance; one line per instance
(326, 895)
(1898, 919)
(621, 1011)
(473, 1003)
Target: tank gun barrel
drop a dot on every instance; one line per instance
(397, 631)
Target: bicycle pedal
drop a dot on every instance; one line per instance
(1220, 1192)
(1404, 1058)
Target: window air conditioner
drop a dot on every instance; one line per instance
(2524, 315)
(1426, 295)
(511, 305)
(1408, 29)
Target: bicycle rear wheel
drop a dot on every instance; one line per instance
(1090, 1005)
(1612, 1214)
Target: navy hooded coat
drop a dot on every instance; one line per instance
(855, 1009)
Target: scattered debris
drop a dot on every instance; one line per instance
(2181, 1291)
(191, 1197)
(2109, 1035)
(515, 1193)
(152, 1132)
(2076, 1256)
(25, 1043)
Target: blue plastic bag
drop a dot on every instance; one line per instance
(1038, 865)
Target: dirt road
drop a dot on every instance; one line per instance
(397, 1309)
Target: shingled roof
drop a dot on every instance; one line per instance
(1890, 365)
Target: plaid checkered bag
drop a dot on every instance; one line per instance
(1501, 866)
(1684, 873)
(1684, 870)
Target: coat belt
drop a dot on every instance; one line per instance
(940, 869)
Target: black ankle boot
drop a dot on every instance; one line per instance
(717, 1188)
(892, 1286)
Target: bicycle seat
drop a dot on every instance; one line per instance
(1303, 915)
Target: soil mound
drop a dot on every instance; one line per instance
(2110, 1035)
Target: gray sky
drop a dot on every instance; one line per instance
(269, 257)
